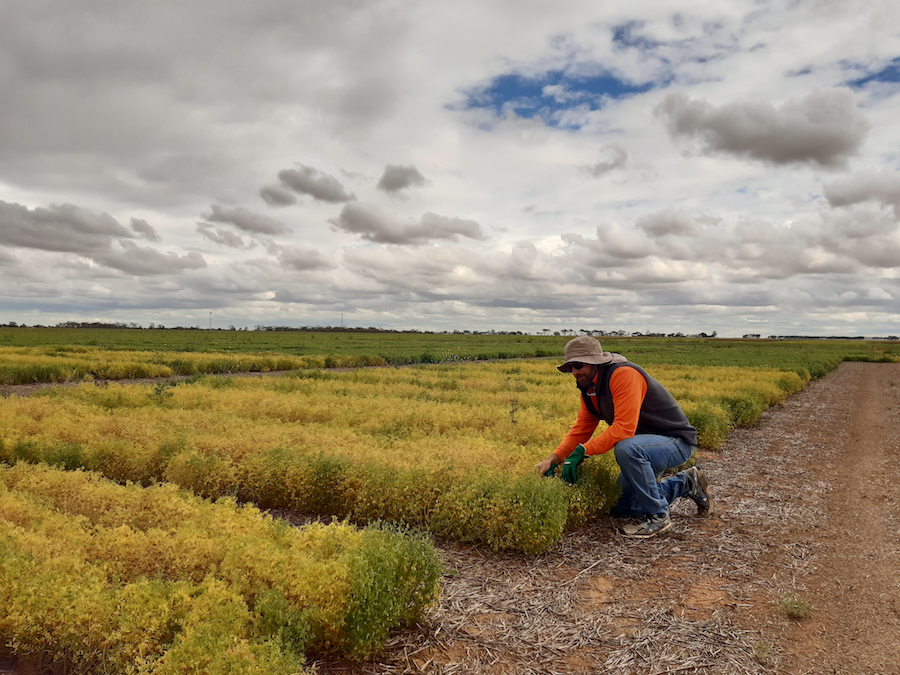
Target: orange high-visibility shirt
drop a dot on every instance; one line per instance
(628, 388)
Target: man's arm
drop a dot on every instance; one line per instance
(584, 427)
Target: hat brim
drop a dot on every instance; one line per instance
(593, 360)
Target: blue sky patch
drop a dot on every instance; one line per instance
(626, 35)
(547, 96)
(890, 73)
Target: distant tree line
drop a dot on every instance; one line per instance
(373, 329)
(830, 337)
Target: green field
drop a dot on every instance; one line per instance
(816, 356)
(395, 348)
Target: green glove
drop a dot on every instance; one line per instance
(570, 466)
(550, 471)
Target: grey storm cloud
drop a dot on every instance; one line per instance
(322, 187)
(824, 128)
(7, 258)
(144, 229)
(397, 178)
(69, 229)
(859, 234)
(878, 186)
(612, 157)
(379, 227)
(220, 235)
(245, 220)
(626, 262)
(142, 261)
(275, 195)
(63, 228)
(304, 259)
(667, 222)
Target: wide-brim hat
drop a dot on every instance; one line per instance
(584, 349)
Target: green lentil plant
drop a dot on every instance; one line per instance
(762, 653)
(793, 605)
(526, 513)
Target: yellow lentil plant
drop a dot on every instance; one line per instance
(450, 448)
(115, 578)
(717, 399)
(21, 365)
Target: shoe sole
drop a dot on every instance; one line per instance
(700, 477)
(648, 535)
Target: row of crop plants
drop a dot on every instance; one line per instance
(241, 352)
(446, 448)
(100, 577)
(25, 365)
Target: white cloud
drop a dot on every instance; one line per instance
(879, 294)
(718, 166)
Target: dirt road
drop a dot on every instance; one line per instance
(848, 429)
(806, 518)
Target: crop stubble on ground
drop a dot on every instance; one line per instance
(805, 503)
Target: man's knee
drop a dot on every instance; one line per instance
(628, 451)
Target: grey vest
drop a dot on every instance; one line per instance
(660, 413)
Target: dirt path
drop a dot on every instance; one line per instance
(855, 583)
(806, 510)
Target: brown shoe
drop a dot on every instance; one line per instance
(699, 491)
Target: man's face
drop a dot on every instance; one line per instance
(584, 374)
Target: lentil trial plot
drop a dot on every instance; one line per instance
(448, 448)
(100, 577)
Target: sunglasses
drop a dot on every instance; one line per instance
(577, 365)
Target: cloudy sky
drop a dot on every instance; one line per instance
(664, 166)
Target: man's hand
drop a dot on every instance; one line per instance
(546, 467)
(570, 466)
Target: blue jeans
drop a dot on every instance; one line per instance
(642, 459)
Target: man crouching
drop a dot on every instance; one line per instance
(647, 428)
